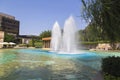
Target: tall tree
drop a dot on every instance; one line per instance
(91, 33)
(104, 14)
(9, 38)
(45, 34)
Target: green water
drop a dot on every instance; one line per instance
(36, 64)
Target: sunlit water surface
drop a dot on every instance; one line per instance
(36, 64)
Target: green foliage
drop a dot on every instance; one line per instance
(37, 44)
(110, 77)
(91, 33)
(89, 43)
(111, 66)
(33, 41)
(9, 38)
(92, 43)
(22, 45)
(30, 43)
(105, 15)
(45, 34)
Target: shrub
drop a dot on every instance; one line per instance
(111, 67)
(38, 44)
(22, 45)
(9, 38)
(110, 77)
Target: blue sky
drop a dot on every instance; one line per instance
(36, 16)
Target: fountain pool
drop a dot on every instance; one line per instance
(36, 64)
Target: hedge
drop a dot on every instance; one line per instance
(111, 68)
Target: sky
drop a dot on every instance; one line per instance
(36, 16)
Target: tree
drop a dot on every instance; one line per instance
(104, 14)
(34, 40)
(91, 33)
(45, 34)
(9, 38)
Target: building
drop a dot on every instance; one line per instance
(8, 25)
(25, 39)
(1, 36)
(46, 42)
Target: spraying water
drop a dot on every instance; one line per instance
(69, 35)
(56, 37)
(65, 42)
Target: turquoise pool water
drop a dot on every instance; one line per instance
(36, 64)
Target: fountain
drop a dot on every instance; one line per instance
(66, 41)
(56, 37)
(69, 35)
(47, 65)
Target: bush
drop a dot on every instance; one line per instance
(111, 67)
(89, 43)
(94, 43)
(22, 45)
(110, 77)
(9, 38)
(38, 44)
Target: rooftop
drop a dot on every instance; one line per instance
(7, 15)
(28, 36)
(47, 38)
